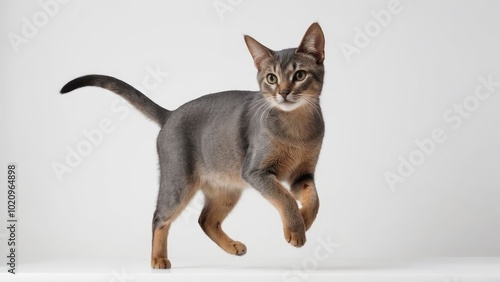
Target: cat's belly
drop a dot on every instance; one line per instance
(219, 179)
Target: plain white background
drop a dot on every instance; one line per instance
(393, 91)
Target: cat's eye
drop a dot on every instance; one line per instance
(299, 76)
(271, 78)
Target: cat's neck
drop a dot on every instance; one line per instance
(301, 125)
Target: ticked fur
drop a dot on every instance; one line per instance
(223, 142)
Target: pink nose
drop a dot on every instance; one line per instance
(284, 93)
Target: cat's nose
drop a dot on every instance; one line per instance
(284, 93)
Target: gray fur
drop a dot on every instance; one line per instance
(149, 108)
(225, 141)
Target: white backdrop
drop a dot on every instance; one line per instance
(399, 74)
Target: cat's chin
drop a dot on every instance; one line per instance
(287, 106)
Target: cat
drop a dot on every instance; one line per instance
(224, 142)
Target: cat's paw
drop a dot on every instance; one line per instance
(160, 263)
(239, 248)
(296, 239)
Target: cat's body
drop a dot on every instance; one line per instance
(223, 142)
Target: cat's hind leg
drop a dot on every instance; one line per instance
(218, 204)
(172, 199)
(159, 259)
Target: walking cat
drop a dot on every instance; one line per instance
(221, 143)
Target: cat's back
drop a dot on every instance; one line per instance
(226, 104)
(218, 116)
(222, 100)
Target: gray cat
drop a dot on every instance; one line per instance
(223, 142)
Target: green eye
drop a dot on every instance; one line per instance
(299, 76)
(271, 78)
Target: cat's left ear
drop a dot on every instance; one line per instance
(313, 43)
(259, 52)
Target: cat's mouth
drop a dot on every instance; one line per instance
(288, 99)
(288, 103)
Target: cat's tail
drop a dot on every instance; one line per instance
(149, 108)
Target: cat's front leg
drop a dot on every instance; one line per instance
(269, 186)
(304, 190)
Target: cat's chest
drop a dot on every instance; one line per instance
(287, 159)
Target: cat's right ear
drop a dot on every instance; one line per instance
(259, 52)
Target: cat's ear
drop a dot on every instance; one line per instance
(313, 43)
(259, 52)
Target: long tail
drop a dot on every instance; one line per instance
(134, 96)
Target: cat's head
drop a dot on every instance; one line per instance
(291, 78)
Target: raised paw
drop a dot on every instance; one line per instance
(296, 239)
(239, 248)
(160, 263)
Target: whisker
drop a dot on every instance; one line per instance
(266, 110)
(258, 104)
(313, 103)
